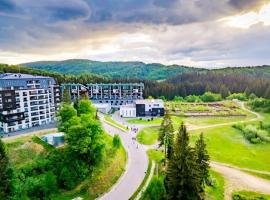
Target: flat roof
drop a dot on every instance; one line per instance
(128, 106)
(143, 101)
(20, 76)
(102, 105)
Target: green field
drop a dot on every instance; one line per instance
(226, 144)
(148, 136)
(145, 121)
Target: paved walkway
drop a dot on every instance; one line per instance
(135, 170)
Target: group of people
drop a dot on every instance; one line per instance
(135, 130)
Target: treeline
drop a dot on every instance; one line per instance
(198, 83)
(181, 85)
(60, 78)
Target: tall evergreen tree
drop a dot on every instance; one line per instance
(66, 96)
(202, 159)
(166, 135)
(183, 177)
(5, 173)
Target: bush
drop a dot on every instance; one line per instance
(211, 97)
(260, 104)
(40, 187)
(239, 96)
(116, 141)
(254, 134)
(193, 98)
(178, 99)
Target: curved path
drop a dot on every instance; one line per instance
(136, 166)
(236, 179)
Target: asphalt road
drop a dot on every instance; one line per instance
(136, 166)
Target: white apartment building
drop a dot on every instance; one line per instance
(27, 101)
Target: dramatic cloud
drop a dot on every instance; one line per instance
(204, 33)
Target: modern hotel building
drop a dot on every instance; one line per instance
(116, 94)
(27, 101)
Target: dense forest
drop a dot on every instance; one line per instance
(154, 71)
(140, 70)
(180, 85)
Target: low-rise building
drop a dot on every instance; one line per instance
(142, 108)
(103, 107)
(27, 101)
(128, 110)
(55, 139)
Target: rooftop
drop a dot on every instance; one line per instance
(20, 76)
(144, 101)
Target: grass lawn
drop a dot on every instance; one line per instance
(114, 123)
(260, 175)
(249, 195)
(226, 144)
(155, 155)
(145, 121)
(148, 135)
(22, 150)
(216, 192)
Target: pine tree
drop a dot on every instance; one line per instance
(5, 173)
(183, 177)
(202, 159)
(66, 96)
(166, 135)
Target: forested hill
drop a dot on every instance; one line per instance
(154, 71)
(256, 71)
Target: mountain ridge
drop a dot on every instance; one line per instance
(135, 69)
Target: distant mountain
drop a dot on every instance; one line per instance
(255, 71)
(154, 71)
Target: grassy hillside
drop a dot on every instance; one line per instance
(154, 71)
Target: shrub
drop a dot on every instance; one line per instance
(211, 97)
(116, 141)
(253, 134)
(239, 96)
(260, 104)
(193, 98)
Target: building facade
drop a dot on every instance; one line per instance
(149, 107)
(27, 101)
(116, 94)
(128, 111)
(143, 108)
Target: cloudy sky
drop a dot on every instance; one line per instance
(202, 33)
